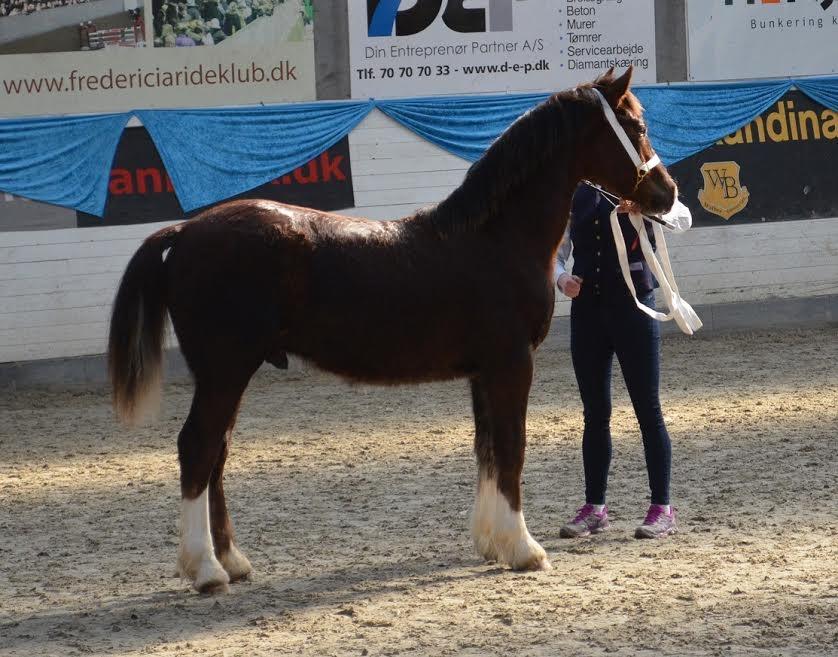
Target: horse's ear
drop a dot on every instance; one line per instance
(604, 79)
(615, 90)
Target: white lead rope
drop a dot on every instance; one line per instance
(679, 310)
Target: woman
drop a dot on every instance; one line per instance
(232, 21)
(604, 321)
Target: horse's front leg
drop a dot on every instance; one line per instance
(500, 404)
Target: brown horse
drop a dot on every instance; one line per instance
(460, 290)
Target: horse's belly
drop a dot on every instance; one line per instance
(375, 357)
(379, 372)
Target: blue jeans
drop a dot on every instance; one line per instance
(599, 328)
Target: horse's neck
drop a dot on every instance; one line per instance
(521, 189)
(537, 217)
(535, 213)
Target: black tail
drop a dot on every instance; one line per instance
(138, 323)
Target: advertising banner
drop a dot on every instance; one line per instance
(427, 47)
(77, 56)
(140, 190)
(734, 39)
(779, 167)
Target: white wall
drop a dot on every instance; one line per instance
(56, 286)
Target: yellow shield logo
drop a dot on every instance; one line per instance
(722, 194)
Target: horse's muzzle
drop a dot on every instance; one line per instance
(657, 197)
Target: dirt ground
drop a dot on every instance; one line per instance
(352, 503)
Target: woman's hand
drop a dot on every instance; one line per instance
(628, 207)
(569, 285)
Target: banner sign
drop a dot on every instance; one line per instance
(426, 47)
(77, 56)
(140, 190)
(18, 213)
(734, 39)
(779, 167)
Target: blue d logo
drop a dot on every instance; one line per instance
(384, 15)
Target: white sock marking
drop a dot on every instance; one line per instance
(483, 519)
(500, 533)
(197, 556)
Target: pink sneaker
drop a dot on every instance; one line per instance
(586, 522)
(657, 524)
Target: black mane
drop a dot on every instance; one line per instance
(523, 149)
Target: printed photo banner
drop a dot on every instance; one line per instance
(428, 47)
(77, 56)
(214, 154)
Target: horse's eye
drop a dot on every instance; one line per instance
(642, 130)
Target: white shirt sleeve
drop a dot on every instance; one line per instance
(563, 253)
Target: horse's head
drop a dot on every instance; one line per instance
(624, 164)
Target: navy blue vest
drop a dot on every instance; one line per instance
(594, 254)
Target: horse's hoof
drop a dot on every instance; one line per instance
(486, 548)
(489, 556)
(529, 555)
(236, 564)
(537, 563)
(212, 588)
(211, 578)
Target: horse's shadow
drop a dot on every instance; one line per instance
(179, 615)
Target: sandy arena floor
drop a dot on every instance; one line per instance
(353, 502)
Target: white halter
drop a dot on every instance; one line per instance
(679, 310)
(643, 168)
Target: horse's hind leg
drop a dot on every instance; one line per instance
(200, 447)
(228, 554)
(482, 520)
(499, 529)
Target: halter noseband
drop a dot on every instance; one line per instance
(642, 168)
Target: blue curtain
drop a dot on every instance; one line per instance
(213, 154)
(683, 119)
(64, 161)
(463, 125)
(821, 90)
(686, 119)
